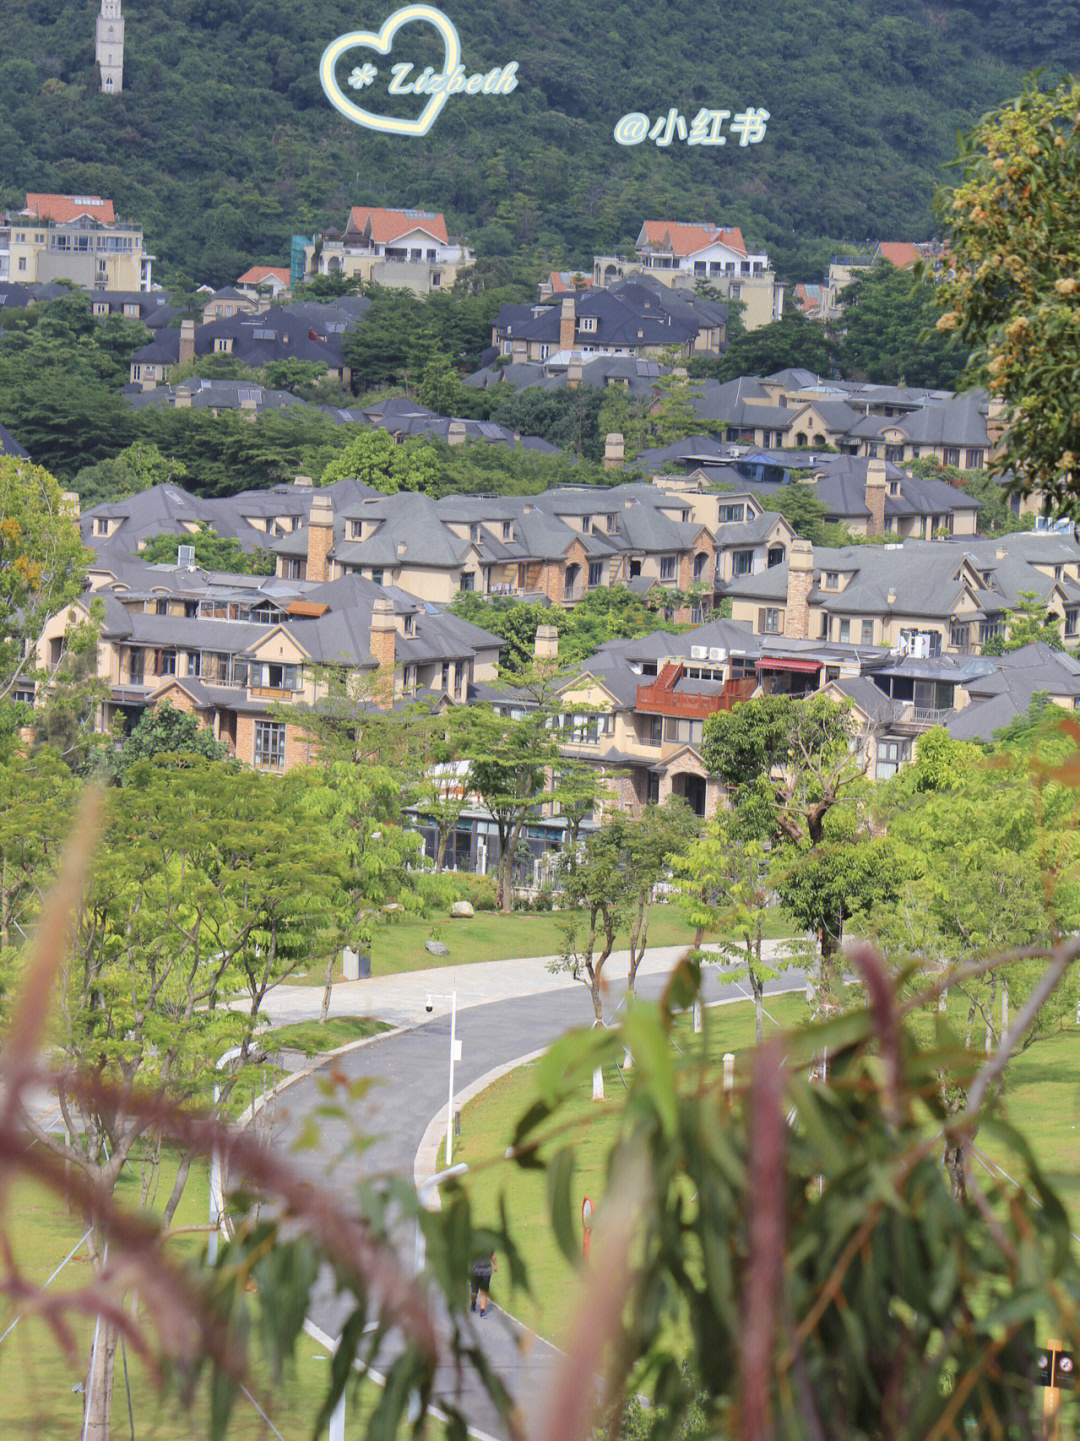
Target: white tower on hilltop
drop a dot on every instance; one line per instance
(110, 47)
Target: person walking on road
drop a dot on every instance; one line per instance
(481, 1281)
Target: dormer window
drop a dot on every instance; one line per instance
(832, 580)
(508, 530)
(588, 322)
(894, 487)
(356, 529)
(474, 531)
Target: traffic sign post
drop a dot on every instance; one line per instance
(1055, 1368)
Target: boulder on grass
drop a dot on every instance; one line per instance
(436, 948)
(462, 911)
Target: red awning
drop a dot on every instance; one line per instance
(808, 665)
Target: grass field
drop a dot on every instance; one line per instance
(490, 936)
(36, 1379)
(1043, 1101)
(314, 1038)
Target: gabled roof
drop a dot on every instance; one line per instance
(388, 225)
(10, 446)
(900, 253)
(258, 273)
(683, 239)
(69, 207)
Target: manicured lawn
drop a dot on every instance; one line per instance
(313, 1038)
(36, 1379)
(1043, 1101)
(486, 1128)
(490, 936)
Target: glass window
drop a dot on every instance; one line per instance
(468, 580)
(596, 573)
(166, 662)
(867, 635)
(742, 562)
(270, 744)
(732, 514)
(832, 580)
(667, 567)
(845, 630)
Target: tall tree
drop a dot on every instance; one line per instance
(888, 335)
(1013, 294)
(42, 569)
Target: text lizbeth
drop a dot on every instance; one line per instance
(500, 81)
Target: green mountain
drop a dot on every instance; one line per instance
(223, 143)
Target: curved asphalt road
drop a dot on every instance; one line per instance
(410, 1074)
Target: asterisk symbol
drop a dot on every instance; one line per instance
(362, 75)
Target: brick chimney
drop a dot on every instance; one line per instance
(614, 452)
(800, 582)
(187, 342)
(320, 537)
(456, 433)
(876, 485)
(546, 644)
(567, 324)
(383, 646)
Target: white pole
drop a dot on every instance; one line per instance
(450, 1100)
(217, 1178)
(337, 1421)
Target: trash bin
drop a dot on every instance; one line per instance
(355, 965)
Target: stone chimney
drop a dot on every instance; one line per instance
(546, 645)
(383, 645)
(302, 480)
(567, 323)
(71, 504)
(800, 582)
(876, 485)
(614, 452)
(573, 374)
(320, 537)
(249, 410)
(187, 342)
(456, 433)
(182, 398)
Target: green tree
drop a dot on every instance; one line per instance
(372, 457)
(888, 335)
(163, 730)
(1026, 623)
(212, 552)
(725, 894)
(793, 341)
(42, 570)
(1014, 289)
(805, 513)
(138, 467)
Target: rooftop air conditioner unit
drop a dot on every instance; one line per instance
(185, 557)
(699, 652)
(716, 652)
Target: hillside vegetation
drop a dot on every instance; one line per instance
(228, 145)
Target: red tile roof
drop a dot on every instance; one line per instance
(258, 273)
(900, 253)
(689, 239)
(564, 280)
(389, 225)
(69, 207)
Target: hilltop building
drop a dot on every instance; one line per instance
(402, 249)
(682, 255)
(110, 47)
(77, 238)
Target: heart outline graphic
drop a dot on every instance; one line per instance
(381, 42)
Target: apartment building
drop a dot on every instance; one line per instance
(77, 238)
(556, 546)
(921, 599)
(238, 650)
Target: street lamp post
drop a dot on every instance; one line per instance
(455, 1055)
(423, 1191)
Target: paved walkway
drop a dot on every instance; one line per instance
(401, 999)
(506, 1010)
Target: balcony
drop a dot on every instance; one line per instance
(661, 697)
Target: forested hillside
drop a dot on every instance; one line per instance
(224, 145)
